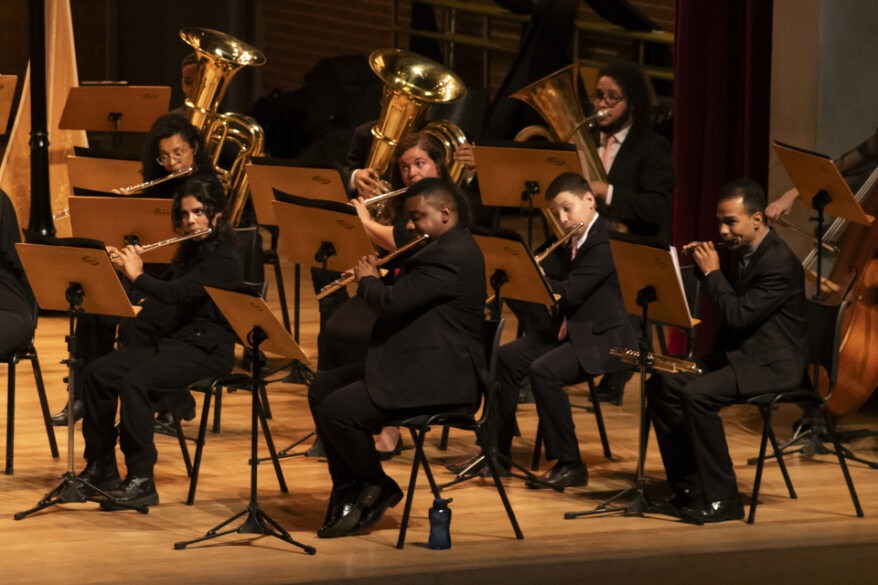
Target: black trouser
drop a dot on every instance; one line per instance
(346, 418)
(550, 366)
(685, 412)
(129, 376)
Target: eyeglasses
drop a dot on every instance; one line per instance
(611, 99)
(178, 154)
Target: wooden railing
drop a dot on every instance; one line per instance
(585, 32)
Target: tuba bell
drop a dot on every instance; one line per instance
(412, 83)
(220, 57)
(554, 97)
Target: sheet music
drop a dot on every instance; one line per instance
(678, 272)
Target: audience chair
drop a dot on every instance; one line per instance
(824, 340)
(419, 426)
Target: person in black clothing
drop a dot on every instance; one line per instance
(16, 299)
(760, 348)
(638, 163)
(425, 353)
(200, 343)
(173, 145)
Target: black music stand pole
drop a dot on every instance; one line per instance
(639, 504)
(648, 274)
(239, 308)
(52, 268)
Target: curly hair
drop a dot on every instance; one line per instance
(212, 196)
(165, 127)
(633, 83)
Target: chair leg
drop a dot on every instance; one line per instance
(181, 436)
(44, 404)
(272, 451)
(493, 465)
(760, 463)
(778, 454)
(217, 409)
(199, 446)
(443, 442)
(10, 417)
(599, 418)
(538, 446)
(418, 441)
(830, 427)
(281, 293)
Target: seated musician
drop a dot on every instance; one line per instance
(760, 348)
(345, 336)
(199, 343)
(173, 145)
(16, 298)
(591, 320)
(425, 354)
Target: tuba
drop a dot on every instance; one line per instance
(412, 83)
(554, 97)
(220, 57)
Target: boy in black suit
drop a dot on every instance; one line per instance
(426, 354)
(591, 320)
(760, 349)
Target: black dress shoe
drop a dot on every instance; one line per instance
(612, 387)
(59, 419)
(709, 512)
(135, 491)
(561, 476)
(164, 420)
(389, 497)
(388, 455)
(99, 475)
(347, 514)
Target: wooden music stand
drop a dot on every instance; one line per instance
(119, 220)
(7, 93)
(73, 278)
(114, 108)
(321, 233)
(102, 174)
(822, 188)
(258, 330)
(510, 267)
(514, 175)
(652, 287)
(266, 174)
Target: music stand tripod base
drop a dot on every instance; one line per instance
(251, 315)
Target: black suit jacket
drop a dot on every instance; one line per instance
(763, 332)
(592, 302)
(426, 348)
(643, 181)
(197, 320)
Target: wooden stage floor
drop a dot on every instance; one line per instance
(815, 539)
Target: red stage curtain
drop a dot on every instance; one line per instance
(722, 71)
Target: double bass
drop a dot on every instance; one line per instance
(854, 272)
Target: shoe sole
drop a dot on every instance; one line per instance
(347, 524)
(145, 501)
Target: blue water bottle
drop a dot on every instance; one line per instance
(440, 525)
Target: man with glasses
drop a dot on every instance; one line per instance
(640, 177)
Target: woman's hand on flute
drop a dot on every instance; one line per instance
(127, 260)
